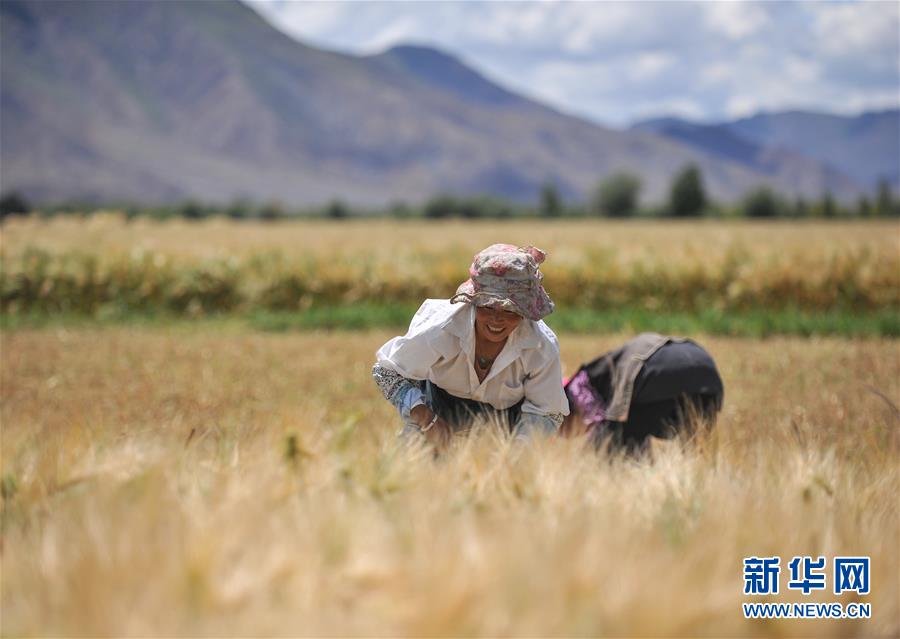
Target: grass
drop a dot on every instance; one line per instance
(758, 323)
(166, 482)
(750, 323)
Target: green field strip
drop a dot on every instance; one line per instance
(750, 323)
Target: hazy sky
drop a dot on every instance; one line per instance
(616, 62)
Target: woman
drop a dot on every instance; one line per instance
(490, 356)
(654, 385)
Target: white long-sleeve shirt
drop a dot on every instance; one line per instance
(440, 347)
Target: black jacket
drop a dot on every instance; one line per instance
(652, 368)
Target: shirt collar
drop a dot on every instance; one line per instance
(461, 323)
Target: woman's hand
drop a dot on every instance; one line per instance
(438, 435)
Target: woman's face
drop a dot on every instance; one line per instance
(495, 324)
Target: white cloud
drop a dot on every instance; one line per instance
(576, 80)
(681, 107)
(616, 61)
(590, 30)
(403, 30)
(802, 70)
(650, 65)
(848, 29)
(316, 21)
(736, 20)
(716, 73)
(740, 106)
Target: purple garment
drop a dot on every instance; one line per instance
(587, 401)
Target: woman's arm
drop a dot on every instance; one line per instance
(407, 397)
(405, 394)
(403, 361)
(545, 403)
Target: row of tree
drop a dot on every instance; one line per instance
(616, 196)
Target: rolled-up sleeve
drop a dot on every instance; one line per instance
(398, 372)
(404, 394)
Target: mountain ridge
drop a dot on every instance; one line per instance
(157, 101)
(863, 146)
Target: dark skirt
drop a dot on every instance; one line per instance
(461, 413)
(677, 389)
(664, 419)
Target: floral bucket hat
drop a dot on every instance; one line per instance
(507, 276)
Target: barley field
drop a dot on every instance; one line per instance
(110, 232)
(105, 262)
(196, 479)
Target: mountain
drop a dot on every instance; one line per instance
(865, 148)
(445, 73)
(160, 100)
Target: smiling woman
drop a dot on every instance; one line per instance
(491, 356)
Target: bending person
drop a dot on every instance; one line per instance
(489, 357)
(654, 385)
